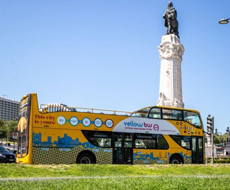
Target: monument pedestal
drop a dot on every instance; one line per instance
(208, 147)
(171, 51)
(208, 151)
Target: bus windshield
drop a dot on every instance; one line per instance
(193, 118)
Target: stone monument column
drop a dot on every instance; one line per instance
(171, 51)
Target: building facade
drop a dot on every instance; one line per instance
(8, 109)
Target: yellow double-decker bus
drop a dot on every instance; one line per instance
(58, 134)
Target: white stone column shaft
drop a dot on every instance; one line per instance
(171, 51)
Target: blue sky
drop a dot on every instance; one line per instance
(103, 53)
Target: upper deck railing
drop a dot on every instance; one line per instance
(50, 108)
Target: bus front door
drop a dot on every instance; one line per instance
(122, 148)
(197, 150)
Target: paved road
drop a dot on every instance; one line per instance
(105, 177)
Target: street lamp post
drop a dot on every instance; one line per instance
(224, 21)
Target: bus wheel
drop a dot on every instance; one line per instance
(176, 160)
(85, 159)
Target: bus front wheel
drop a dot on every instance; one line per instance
(85, 159)
(176, 160)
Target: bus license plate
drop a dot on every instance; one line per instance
(11, 160)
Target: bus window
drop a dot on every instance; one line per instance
(192, 118)
(145, 141)
(128, 141)
(155, 113)
(23, 126)
(141, 113)
(118, 141)
(161, 142)
(172, 114)
(99, 138)
(23, 148)
(183, 141)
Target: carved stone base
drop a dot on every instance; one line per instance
(168, 103)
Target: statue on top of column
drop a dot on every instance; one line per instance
(171, 22)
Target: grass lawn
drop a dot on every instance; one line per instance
(18, 170)
(141, 183)
(168, 176)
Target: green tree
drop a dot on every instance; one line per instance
(2, 123)
(12, 126)
(7, 128)
(11, 129)
(217, 138)
(2, 129)
(220, 138)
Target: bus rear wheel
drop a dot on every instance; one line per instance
(85, 159)
(176, 160)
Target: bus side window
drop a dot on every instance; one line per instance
(161, 142)
(99, 138)
(184, 141)
(155, 113)
(167, 113)
(177, 114)
(172, 114)
(145, 141)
